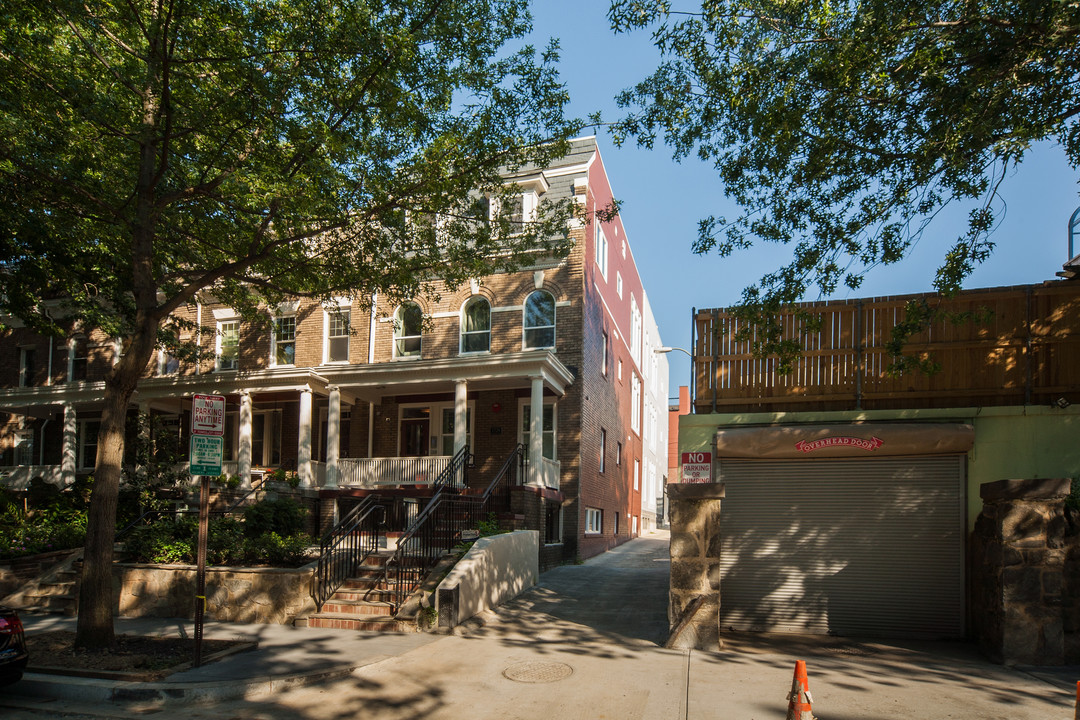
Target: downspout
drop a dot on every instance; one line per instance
(198, 334)
(41, 449)
(371, 361)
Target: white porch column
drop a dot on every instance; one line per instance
(244, 445)
(333, 436)
(303, 450)
(536, 432)
(461, 415)
(70, 449)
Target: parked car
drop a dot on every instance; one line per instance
(13, 653)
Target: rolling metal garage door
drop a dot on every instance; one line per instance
(844, 546)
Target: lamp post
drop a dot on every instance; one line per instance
(664, 350)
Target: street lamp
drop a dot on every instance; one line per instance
(665, 349)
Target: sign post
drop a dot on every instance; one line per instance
(207, 449)
(697, 467)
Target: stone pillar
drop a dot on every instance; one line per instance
(694, 598)
(461, 415)
(535, 472)
(1018, 558)
(69, 452)
(243, 455)
(303, 448)
(333, 436)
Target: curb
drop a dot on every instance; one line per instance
(55, 687)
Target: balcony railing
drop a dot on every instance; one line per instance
(371, 472)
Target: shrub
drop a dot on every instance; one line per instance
(165, 541)
(225, 542)
(274, 549)
(279, 515)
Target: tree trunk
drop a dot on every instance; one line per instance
(94, 629)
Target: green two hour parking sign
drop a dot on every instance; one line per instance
(206, 454)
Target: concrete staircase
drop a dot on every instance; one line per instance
(54, 591)
(363, 602)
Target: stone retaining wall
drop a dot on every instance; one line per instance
(249, 595)
(1020, 550)
(694, 599)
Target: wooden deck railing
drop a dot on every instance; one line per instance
(1022, 347)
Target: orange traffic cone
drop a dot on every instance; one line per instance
(799, 698)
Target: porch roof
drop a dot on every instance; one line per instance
(482, 372)
(367, 382)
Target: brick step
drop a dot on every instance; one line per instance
(353, 622)
(354, 608)
(361, 594)
(367, 584)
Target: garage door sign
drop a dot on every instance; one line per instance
(697, 467)
(870, 444)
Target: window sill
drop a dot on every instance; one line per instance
(471, 353)
(407, 358)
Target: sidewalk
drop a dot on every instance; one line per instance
(583, 644)
(286, 657)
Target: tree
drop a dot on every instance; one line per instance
(843, 128)
(154, 150)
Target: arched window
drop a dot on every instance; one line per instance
(476, 325)
(540, 320)
(408, 321)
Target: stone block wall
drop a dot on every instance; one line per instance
(249, 595)
(694, 598)
(1019, 553)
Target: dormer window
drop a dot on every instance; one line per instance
(476, 325)
(521, 208)
(408, 324)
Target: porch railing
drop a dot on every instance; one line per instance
(345, 547)
(369, 472)
(438, 527)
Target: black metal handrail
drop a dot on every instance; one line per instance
(438, 527)
(458, 465)
(149, 515)
(345, 547)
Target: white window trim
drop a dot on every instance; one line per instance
(554, 323)
(344, 308)
(594, 521)
(274, 339)
(217, 344)
(394, 327)
(548, 401)
(637, 474)
(635, 403)
(601, 250)
(23, 350)
(461, 327)
(81, 461)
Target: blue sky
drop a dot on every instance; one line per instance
(663, 200)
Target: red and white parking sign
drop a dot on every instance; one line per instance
(208, 415)
(697, 467)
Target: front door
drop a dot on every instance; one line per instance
(414, 437)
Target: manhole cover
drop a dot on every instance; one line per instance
(538, 672)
